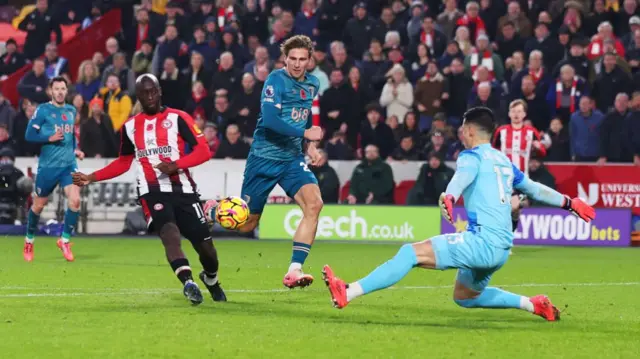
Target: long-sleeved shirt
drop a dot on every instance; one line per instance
(584, 132)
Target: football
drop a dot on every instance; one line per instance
(232, 212)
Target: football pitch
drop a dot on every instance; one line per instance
(119, 299)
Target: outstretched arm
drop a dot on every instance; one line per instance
(114, 169)
(546, 195)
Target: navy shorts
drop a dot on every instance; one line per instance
(262, 174)
(48, 178)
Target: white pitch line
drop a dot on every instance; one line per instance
(156, 291)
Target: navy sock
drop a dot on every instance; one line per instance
(32, 224)
(70, 223)
(300, 252)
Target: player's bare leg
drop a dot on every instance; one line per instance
(422, 255)
(170, 236)
(310, 201)
(70, 220)
(32, 225)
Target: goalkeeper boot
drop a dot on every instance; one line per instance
(65, 247)
(296, 278)
(214, 289)
(542, 307)
(337, 288)
(192, 292)
(27, 251)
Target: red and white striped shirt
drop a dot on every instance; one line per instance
(518, 144)
(152, 139)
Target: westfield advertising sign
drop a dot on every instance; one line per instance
(610, 186)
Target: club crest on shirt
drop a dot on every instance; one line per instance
(268, 91)
(166, 124)
(311, 91)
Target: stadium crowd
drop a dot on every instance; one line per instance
(394, 74)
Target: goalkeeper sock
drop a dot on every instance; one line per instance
(70, 222)
(493, 297)
(389, 273)
(182, 269)
(32, 225)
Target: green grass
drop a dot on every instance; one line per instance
(120, 300)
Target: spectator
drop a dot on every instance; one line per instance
(97, 137)
(222, 115)
(314, 70)
(449, 17)
(463, 39)
(338, 147)
(435, 40)
(487, 98)
(39, 24)
(547, 44)
(538, 73)
(54, 64)
(24, 148)
(456, 147)
(197, 71)
(306, 22)
(459, 88)
(517, 18)
(339, 59)
(429, 94)
(628, 41)
(254, 21)
(625, 15)
(609, 82)
(142, 59)
(452, 52)
(509, 40)
(88, 80)
(211, 31)
(230, 44)
(361, 96)
(232, 146)
(559, 150)
(15, 187)
(171, 83)
(206, 49)
(633, 54)
(565, 95)
(613, 131)
(359, 31)
(597, 46)
(394, 125)
(248, 105)
(539, 113)
(211, 136)
(336, 103)
(33, 84)
(576, 58)
(584, 132)
(440, 123)
(389, 23)
(327, 179)
(112, 47)
(204, 11)
(228, 77)
(436, 144)
(414, 25)
(142, 30)
(261, 59)
(513, 67)
(633, 129)
(397, 94)
(406, 151)
(376, 132)
(372, 180)
(200, 103)
(169, 45)
(7, 114)
(12, 60)
(279, 35)
(117, 104)
(539, 173)
(120, 68)
(472, 21)
(482, 55)
(433, 179)
(375, 67)
(6, 142)
(174, 16)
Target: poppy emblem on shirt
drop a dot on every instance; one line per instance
(150, 127)
(303, 95)
(64, 117)
(166, 124)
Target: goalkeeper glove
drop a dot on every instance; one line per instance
(579, 208)
(446, 202)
